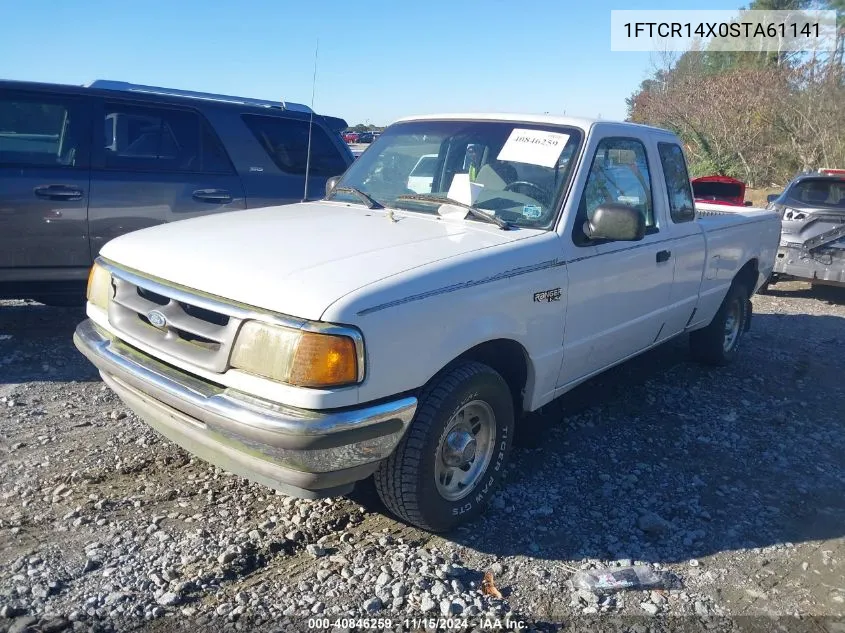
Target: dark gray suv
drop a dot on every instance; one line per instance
(82, 165)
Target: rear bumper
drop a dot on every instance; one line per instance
(299, 452)
(823, 268)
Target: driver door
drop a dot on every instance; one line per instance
(618, 291)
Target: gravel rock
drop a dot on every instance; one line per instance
(223, 609)
(169, 599)
(450, 607)
(11, 611)
(650, 608)
(373, 605)
(317, 551)
(54, 625)
(652, 523)
(227, 557)
(20, 625)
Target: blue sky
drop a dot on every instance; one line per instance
(378, 60)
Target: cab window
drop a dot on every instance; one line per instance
(681, 206)
(619, 174)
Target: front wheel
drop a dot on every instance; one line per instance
(446, 468)
(717, 344)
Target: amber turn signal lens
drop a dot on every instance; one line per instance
(323, 360)
(99, 287)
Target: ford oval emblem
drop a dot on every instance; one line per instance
(156, 318)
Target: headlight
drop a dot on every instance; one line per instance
(296, 357)
(99, 287)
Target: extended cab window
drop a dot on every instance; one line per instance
(42, 131)
(618, 174)
(286, 141)
(140, 138)
(681, 206)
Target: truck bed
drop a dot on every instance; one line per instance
(729, 233)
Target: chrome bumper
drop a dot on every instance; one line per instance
(300, 452)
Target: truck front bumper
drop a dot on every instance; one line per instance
(825, 267)
(300, 452)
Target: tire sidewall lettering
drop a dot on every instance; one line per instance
(485, 488)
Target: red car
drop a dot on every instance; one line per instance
(830, 171)
(350, 137)
(720, 190)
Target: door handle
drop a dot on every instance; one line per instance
(663, 256)
(58, 192)
(217, 196)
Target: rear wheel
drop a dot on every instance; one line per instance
(445, 469)
(717, 344)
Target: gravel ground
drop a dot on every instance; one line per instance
(728, 482)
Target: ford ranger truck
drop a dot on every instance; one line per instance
(402, 335)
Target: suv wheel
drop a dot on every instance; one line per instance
(445, 469)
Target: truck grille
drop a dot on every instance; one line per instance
(173, 322)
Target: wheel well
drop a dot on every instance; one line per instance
(748, 275)
(508, 358)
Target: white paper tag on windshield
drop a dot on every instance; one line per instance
(534, 147)
(462, 190)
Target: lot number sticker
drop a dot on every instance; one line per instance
(534, 147)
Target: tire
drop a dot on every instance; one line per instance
(717, 344)
(451, 405)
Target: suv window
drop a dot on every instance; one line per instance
(618, 174)
(681, 206)
(821, 192)
(140, 138)
(42, 131)
(286, 142)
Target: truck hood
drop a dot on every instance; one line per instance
(298, 259)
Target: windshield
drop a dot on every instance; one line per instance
(515, 171)
(822, 192)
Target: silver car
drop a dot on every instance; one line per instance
(812, 243)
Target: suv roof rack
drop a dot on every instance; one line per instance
(124, 86)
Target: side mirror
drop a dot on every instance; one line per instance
(748, 203)
(331, 183)
(617, 222)
(772, 197)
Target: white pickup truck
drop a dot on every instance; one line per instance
(387, 332)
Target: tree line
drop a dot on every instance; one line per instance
(760, 117)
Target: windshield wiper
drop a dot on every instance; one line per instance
(367, 199)
(473, 211)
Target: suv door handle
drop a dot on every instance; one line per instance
(663, 256)
(58, 192)
(218, 196)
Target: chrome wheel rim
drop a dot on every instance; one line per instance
(465, 450)
(733, 320)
